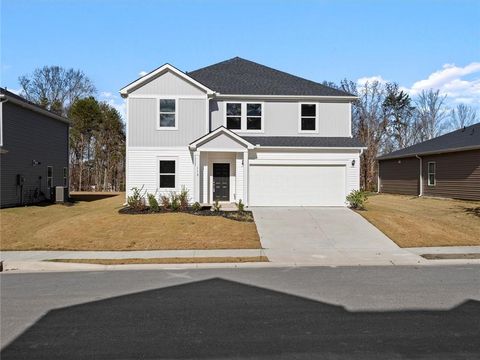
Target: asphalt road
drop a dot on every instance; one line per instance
(273, 313)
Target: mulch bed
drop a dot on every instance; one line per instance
(244, 216)
(451, 256)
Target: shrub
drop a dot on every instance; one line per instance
(136, 201)
(183, 199)
(153, 203)
(196, 206)
(174, 201)
(240, 206)
(165, 201)
(357, 199)
(216, 206)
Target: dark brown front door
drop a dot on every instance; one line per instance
(221, 182)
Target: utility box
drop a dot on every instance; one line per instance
(61, 194)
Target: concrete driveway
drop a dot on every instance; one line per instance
(325, 236)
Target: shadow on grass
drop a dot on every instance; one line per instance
(218, 318)
(91, 197)
(473, 210)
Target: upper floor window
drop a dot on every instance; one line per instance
(244, 116)
(254, 116)
(431, 173)
(234, 116)
(168, 115)
(308, 118)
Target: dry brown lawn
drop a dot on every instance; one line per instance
(417, 222)
(96, 225)
(175, 260)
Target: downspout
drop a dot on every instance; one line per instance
(420, 177)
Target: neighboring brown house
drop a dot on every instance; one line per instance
(449, 166)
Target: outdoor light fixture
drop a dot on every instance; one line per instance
(353, 162)
(35, 162)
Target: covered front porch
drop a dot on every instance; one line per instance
(221, 168)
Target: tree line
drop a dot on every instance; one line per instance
(97, 132)
(385, 118)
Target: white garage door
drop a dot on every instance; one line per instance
(297, 185)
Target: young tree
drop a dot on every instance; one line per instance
(462, 116)
(430, 115)
(56, 88)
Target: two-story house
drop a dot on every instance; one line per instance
(240, 130)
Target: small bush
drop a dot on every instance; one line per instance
(153, 203)
(240, 206)
(136, 201)
(174, 201)
(196, 206)
(165, 202)
(216, 206)
(183, 199)
(357, 199)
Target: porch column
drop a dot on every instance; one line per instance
(196, 176)
(245, 178)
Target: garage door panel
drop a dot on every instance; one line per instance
(297, 185)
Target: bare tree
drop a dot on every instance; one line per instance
(462, 116)
(430, 115)
(369, 124)
(56, 88)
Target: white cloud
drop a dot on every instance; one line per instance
(460, 84)
(114, 101)
(142, 73)
(363, 80)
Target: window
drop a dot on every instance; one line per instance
(65, 182)
(254, 116)
(431, 173)
(308, 118)
(49, 176)
(167, 174)
(234, 116)
(168, 114)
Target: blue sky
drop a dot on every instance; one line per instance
(419, 44)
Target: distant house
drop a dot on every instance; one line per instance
(33, 151)
(447, 166)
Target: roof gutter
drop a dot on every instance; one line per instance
(361, 148)
(466, 148)
(285, 97)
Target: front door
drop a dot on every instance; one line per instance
(221, 182)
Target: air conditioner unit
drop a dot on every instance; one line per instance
(61, 194)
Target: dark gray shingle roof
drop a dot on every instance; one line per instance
(467, 138)
(238, 76)
(303, 141)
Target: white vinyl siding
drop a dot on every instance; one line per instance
(169, 84)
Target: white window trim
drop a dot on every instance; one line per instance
(243, 117)
(167, 158)
(300, 131)
(167, 128)
(50, 177)
(434, 173)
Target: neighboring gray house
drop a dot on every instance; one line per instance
(238, 130)
(33, 151)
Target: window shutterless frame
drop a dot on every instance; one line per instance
(167, 110)
(306, 118)
(244, 116)
(431, 170)
(167, 173)
(65, 182)
(49, 176)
